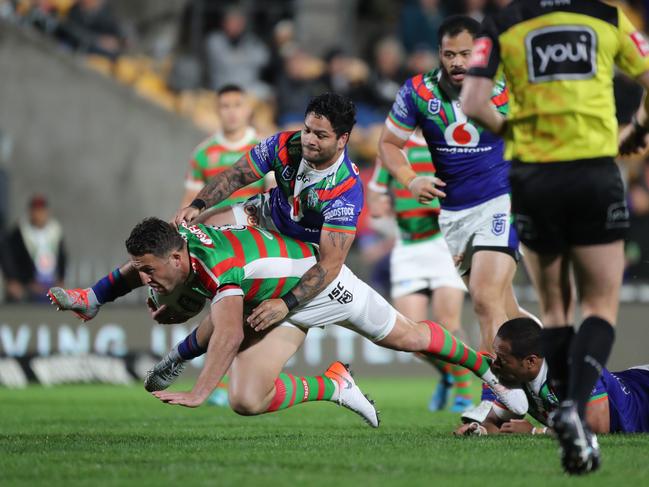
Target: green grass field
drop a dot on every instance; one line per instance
(107, 435)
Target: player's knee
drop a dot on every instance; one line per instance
(486, 302)
(246, 404)
(412, 341)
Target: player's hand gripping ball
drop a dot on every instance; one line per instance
(182, 304)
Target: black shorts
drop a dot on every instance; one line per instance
(563, 204)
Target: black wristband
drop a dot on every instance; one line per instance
(198, 203)
(290, 300)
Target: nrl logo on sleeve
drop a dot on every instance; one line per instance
(434, 106)
(567, 52)
(288, 173)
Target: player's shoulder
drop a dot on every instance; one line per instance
(200, 237)
(213, 140)
(520, 11)
(423, 85)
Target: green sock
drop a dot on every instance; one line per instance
(291, 390)
(445, 346)
(461, 381)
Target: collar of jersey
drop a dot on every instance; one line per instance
(323, 172)
(536, 384)
(247, 138)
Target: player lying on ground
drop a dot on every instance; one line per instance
(619, 403)
(236, 268)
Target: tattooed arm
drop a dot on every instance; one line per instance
(334, 247)
(219, 188)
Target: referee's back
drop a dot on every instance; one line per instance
(558, 57)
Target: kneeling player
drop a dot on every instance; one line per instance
(619, 403)
(236, 268)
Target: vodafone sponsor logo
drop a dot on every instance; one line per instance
(461, 134)
(481, 52)
(199, 234)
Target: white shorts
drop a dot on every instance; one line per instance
(487, 225)
(254, 212)
(347, 302)
(423, 266)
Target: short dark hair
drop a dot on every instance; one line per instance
(523, 335)
(230, 88)
(338, 109)
(153, 236)
(456, 24)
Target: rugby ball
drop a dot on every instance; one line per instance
(183, 301)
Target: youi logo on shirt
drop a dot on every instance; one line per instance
(561, 53)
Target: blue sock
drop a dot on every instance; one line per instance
(111, 287)
(189, 348)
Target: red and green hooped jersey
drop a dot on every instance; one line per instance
(252, 262)
(307, 201)
(417, 222)
(213, 156)
(469, 159)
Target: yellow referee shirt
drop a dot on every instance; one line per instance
(558, 58)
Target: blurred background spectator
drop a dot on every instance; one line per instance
(91, 27)
(236, 56)
(33, 254)
(420, 20)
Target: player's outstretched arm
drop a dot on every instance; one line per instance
(334, 247)
(219, 188)
(225, 340)
(394, 159)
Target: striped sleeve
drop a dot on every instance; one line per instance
(341, 212)
(598, 393)
(261, 157)
(402, 119)
(225, 291)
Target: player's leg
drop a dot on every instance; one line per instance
(549, 274)
(489, 282)
(372, 316)
(447, 310)
(85, 303)
(258, 385)
(169, 368)
(432, 339)
(598, 272)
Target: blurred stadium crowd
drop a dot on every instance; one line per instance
(178, 53)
